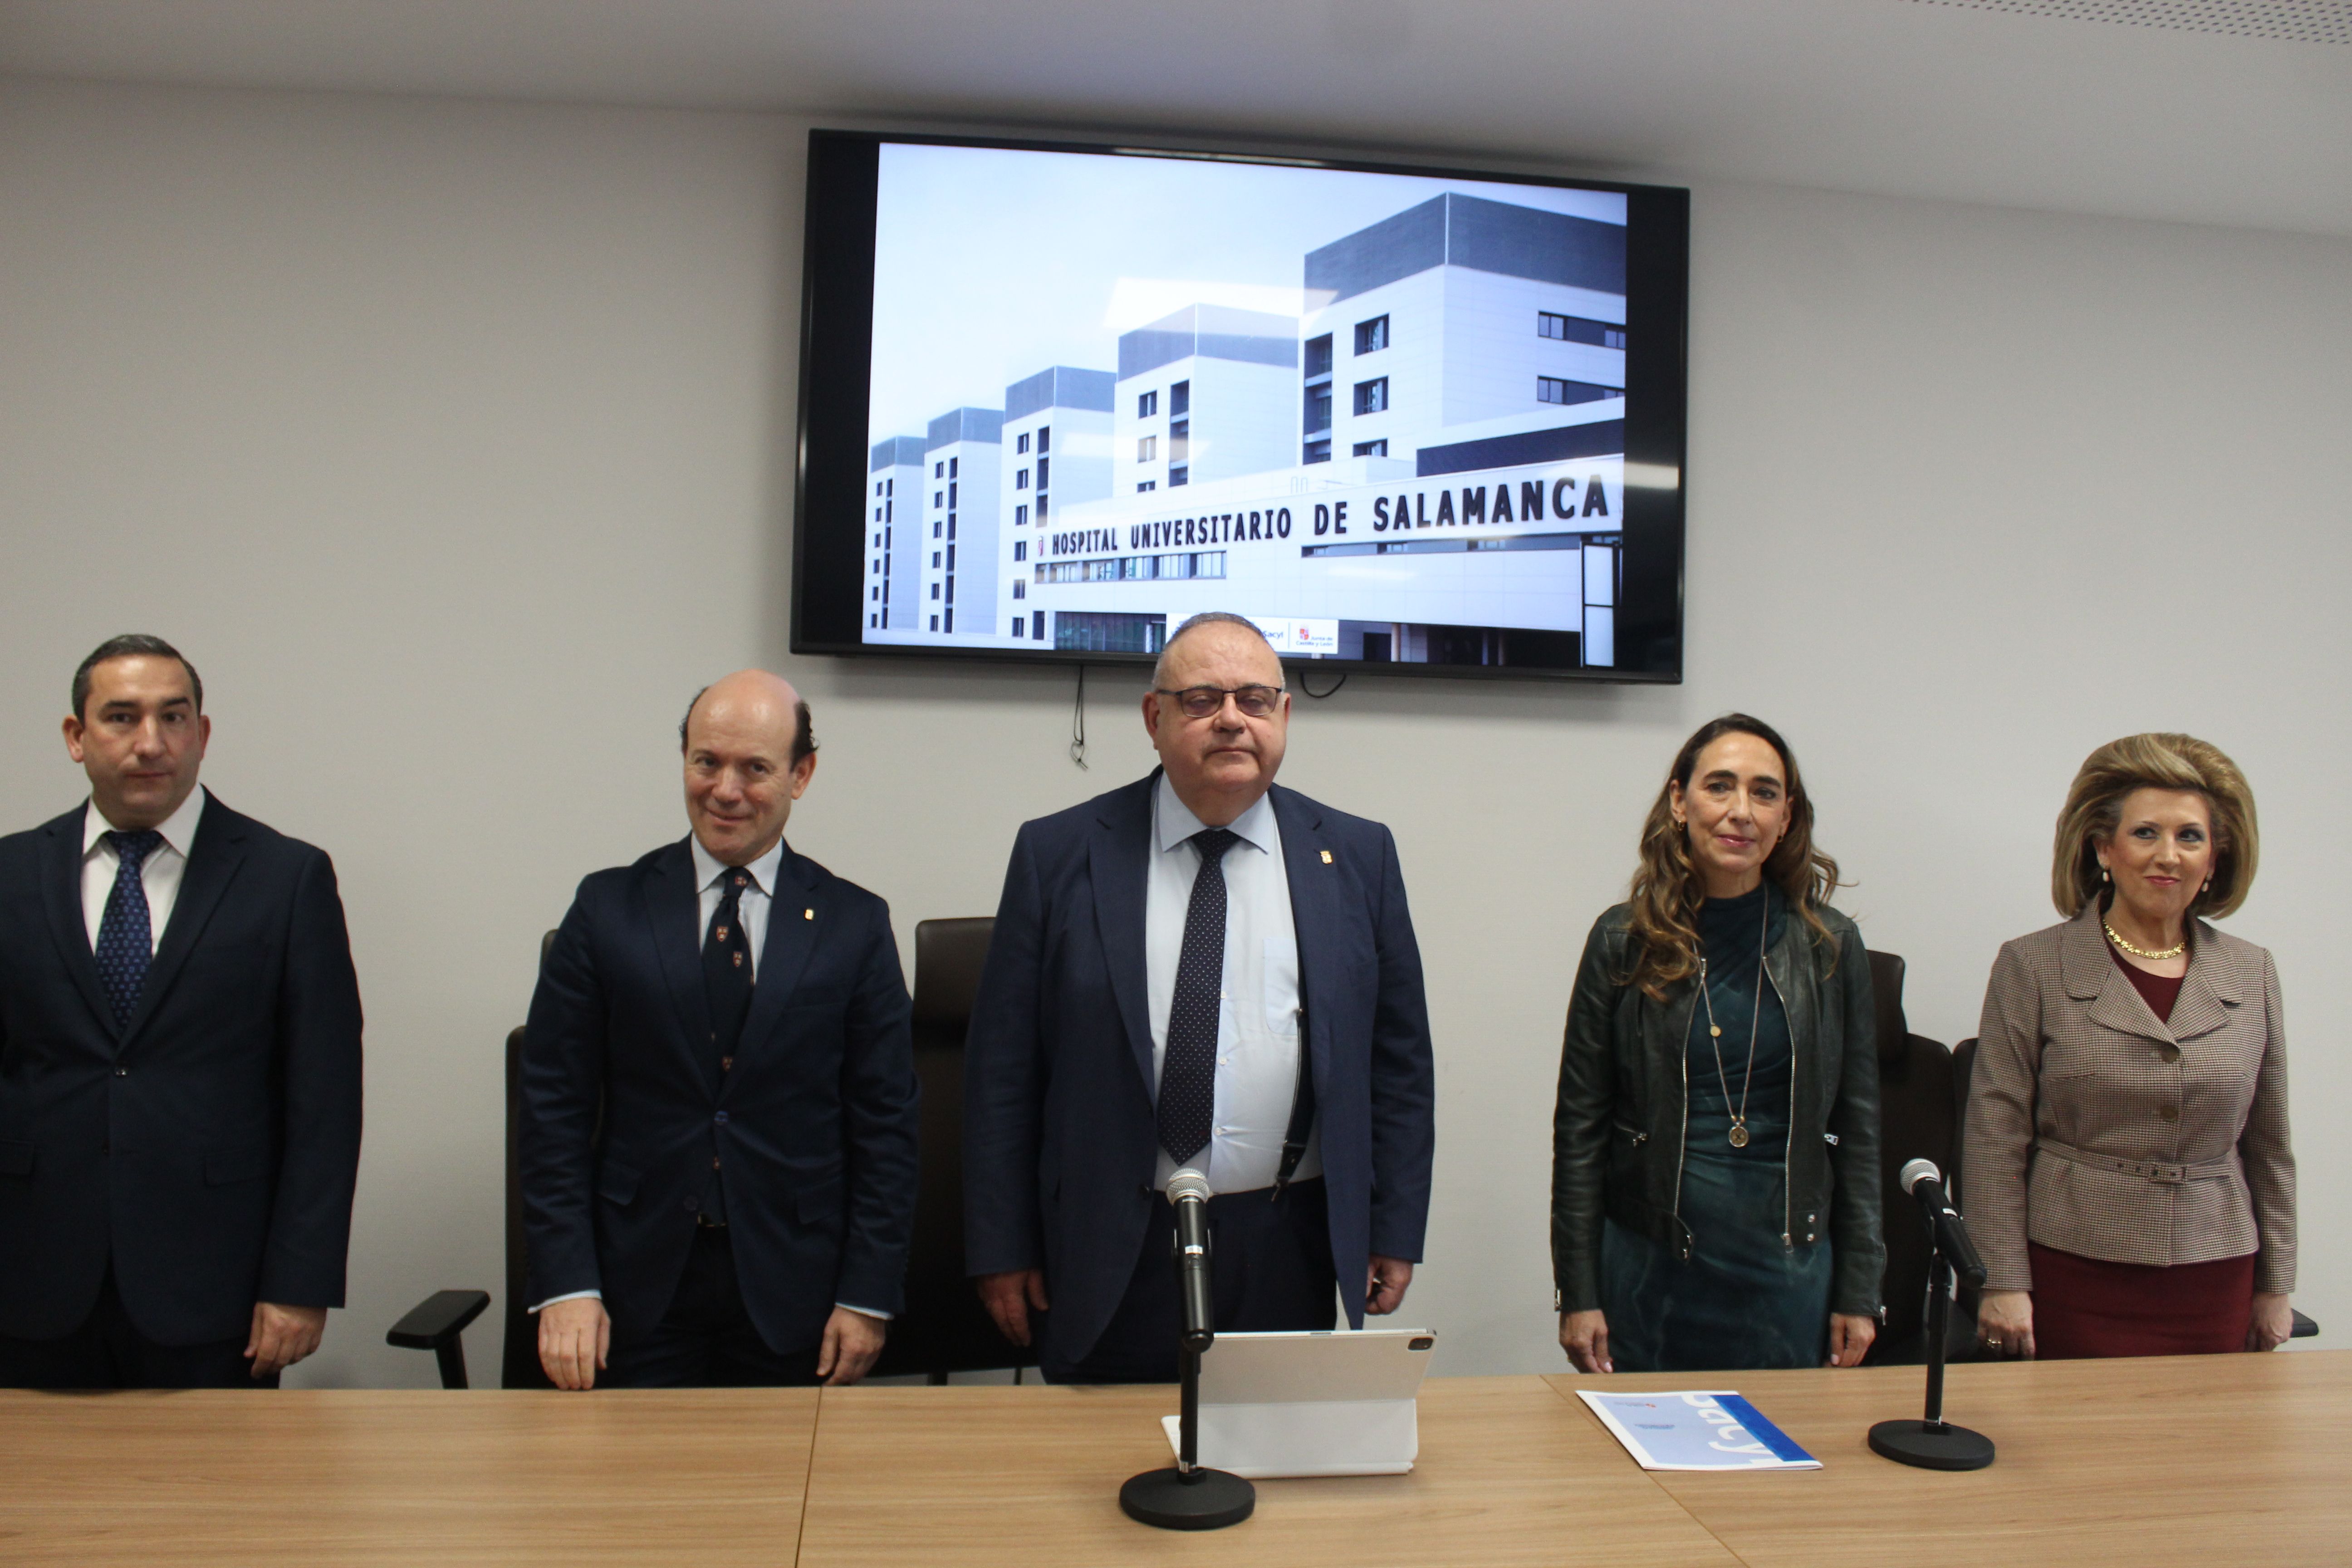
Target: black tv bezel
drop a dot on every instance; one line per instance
(836, 349)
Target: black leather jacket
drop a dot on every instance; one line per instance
(1617, 1131)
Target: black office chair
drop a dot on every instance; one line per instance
(944, 1328)
(1964, 1057)
(436, 1323)
(1918, 1120)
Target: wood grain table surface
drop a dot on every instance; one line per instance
(2204, 1460)
(2194, 1460)
(713, 1477)
(1510, 1473)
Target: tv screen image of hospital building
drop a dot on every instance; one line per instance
(1382, 417)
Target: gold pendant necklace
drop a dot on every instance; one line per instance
(1755, 1021)
(2154, 957)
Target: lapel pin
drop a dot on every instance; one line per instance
(1327, 857)
(808, 914)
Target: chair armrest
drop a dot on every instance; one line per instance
(2305, 1329)
(438, 1320)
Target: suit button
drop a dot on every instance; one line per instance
(2170, 1053)
(720, 1119)
(2168, 1113)
(122, 1072)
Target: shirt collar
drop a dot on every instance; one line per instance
(179, 829)
(709, 869)
(1175, 822)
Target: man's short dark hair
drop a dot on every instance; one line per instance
(132, 644)
(803, 733)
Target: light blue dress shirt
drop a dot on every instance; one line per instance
(1258, 1014)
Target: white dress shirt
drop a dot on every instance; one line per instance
(711, 875)
(1258, 1012)
(160, 873)
(753, 907)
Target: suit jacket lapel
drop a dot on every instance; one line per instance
(1315, 918)
(1118, 860)
(674, 918)
(784, 952)
(2206, 991)
(213, 863)
(61, 891)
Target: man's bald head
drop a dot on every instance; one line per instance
(758, 682)
(749, 752)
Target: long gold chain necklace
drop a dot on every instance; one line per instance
(1755, 1020)
(2152, 955)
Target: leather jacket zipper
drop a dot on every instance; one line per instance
(1788, 1151)
(1682, 1148)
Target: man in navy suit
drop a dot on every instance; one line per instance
(719, 1120)
(179, 1064)
(1197, 970)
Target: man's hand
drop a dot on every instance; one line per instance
(574, 1338)
(1010, 1297)
(1850, 1337)
(282, 1336)
(1384, 1284)
(1585, 1337)
(852, 1340)
(2272, 1323)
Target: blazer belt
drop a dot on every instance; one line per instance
(2147, 1170)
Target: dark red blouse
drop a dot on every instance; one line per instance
(2159, 991)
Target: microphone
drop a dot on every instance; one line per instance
(1188, 1189)
(1923, 1182)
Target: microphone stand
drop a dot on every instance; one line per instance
(1189, 1495)
(1934, 1444)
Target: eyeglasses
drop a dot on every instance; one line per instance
(1200, 701)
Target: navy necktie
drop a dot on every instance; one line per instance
(727, 985)
(1188, 1072)
(126, 941)
(726, 970)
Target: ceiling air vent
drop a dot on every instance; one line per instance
(2294, 21)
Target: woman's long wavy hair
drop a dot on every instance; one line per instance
(1668, 890)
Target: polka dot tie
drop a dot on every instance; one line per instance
(126, 939)
(1188, 1073)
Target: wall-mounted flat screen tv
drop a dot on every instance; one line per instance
(1057, 398)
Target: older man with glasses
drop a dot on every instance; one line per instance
(1199, 969)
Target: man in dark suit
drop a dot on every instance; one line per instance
(179, 1064)
(718, 1123)
(1197, 970)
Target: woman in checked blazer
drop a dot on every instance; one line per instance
(2128, 1177)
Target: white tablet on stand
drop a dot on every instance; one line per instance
(1315, 1403)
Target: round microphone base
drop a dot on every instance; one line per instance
(1200, 1499)
(1936, 1446)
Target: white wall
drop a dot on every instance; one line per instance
(453, 441)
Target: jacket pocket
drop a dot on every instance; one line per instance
(616, 1183)
(16, 1158)
(224, 1167)
(820, 1203)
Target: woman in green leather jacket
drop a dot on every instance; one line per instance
(1715, 1147)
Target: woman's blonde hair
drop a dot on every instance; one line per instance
(2094, 807)
(1668, 890)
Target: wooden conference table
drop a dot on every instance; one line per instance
(2222, 1459)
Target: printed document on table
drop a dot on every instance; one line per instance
(1709, 1430)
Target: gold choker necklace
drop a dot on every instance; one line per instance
(2170, 953)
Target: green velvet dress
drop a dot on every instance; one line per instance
(1745, 1297)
